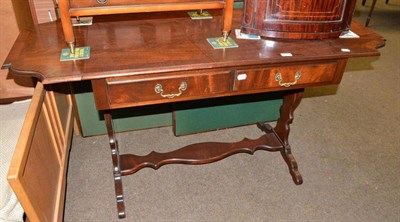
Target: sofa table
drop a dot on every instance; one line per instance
(146, 59)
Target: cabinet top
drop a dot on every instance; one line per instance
(163, 42)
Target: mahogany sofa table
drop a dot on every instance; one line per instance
(156, 58)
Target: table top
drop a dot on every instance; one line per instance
(146, 43)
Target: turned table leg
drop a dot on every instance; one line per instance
(116, 165)
(290, 102)
(370, 13)
(227, 19)
(67, 25)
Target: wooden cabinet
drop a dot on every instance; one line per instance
(37, 172)
(297, 19)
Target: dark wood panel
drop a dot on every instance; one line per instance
(119, 92)
(69, 8)
(105, 3)
(293, 77)
(141, 44)
(304, 10)
(128, 91)
(297, 19)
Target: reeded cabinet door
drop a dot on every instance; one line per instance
(38, 168)
(297, 19)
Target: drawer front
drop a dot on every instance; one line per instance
(285, 77)
(100, 3)
(125, 91)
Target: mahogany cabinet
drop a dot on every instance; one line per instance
(297, 19)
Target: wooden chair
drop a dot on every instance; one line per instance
(371, 10)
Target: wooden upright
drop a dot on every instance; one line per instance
(79, 8)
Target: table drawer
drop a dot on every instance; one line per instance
(98, 3)
(101, 3)
(136, 90)
(286, 77)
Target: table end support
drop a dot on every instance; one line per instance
(286, 154)
(119, 194)
(292, 165)
(291, 101)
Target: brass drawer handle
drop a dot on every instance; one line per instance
(278, 78)
(102, 1)
(159, 90)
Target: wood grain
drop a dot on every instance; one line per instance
(42, 11)
(300, 19)
(199, 153)
(70, 8)
(132, 53)
(130, 41)
(38, 168)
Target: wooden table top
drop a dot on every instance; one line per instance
(163, 42)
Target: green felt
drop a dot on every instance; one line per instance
(219, 43)
(92, 121)
(196, 15)
(238, 4)
(80, 53)
(206, 115)
(190, 117)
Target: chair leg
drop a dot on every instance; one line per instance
(370, 13)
